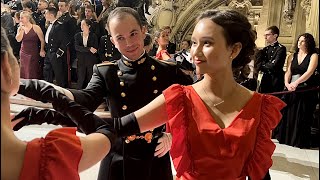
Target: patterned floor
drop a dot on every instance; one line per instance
(289, 163)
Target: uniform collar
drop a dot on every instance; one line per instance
(275, 43)
(126, 61)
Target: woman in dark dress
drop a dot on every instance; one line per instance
(30, 34)
(295, 128)
(86, 45)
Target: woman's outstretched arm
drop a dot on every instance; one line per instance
(153, 114)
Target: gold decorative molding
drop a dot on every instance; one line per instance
(288, 12)
(242, 6)
(306, 6)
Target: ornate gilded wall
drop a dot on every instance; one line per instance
(293, 17)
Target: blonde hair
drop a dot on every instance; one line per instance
(28, 15)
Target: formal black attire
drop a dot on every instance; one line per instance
(8, 24)
(70, 27)
(107, 50)
(40, 20)
(86, 59)
(295, 127)
(272, 59)
(56, 58)
(128, 86)
(171, 48)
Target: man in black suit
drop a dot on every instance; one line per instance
(120, 83)
(38, 15)
(70, 27)
(271, 60)
(56, 47)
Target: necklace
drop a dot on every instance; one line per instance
(222, 101)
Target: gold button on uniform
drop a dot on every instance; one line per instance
(124, 107)
(119, 73)
(123, 94)
(154, 78)
(121, 83)
(152, 67)
(155, 91)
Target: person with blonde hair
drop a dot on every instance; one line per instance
(30, 34)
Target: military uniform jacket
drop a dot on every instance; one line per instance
(40, 20)
(57, 41)
(107, 50)
(128, 86)
(272, 59)
(70, 24)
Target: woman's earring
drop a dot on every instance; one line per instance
(230, 57)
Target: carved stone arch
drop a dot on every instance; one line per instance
(186, 23)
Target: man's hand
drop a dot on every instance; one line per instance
(164, 145)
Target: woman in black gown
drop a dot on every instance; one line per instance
(295, 128)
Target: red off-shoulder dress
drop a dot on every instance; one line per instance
(159, 54)
(201, 150)
(55, 157)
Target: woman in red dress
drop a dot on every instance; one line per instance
(220, 129)
(60, 155)
(162, 39)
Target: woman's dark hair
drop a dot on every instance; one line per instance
(120, 13)
(147, 40)
(309, 41)
(54, 3)
(30, 5)
(236, 28)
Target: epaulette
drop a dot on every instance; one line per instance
(280, 45)
(59, 22)
(106, 63)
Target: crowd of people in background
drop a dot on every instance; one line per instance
(62, 41)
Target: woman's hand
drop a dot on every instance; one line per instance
(93, 50)
(42, 53)
(292, 86)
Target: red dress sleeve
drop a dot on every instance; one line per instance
(178, 126)
(159, 54)
(261, 160)
(57, 156)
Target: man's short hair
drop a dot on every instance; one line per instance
(274, 30)
(53, 10)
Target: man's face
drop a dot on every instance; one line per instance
(88, 13)
(184, 45)
(63, 7)
(127, 36)
(42, 6)
(48, 16)
(270, 37)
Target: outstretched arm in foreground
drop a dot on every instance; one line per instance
(152, 115)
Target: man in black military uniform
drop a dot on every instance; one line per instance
(56, 47)
(271, 60)
(107, 50)
(70, 26)
(38, 15)
(129, 84)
